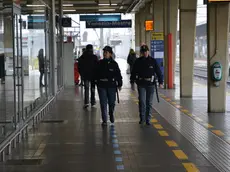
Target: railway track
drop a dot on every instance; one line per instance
(200, 72)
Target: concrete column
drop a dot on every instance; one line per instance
(142, 25)
(217, 28)
(187, 40)
(170, 14)
(60, 48)
(158, 15)
(148, 16)
(174, 5)
(137, 33)
(53, 50)
(8, 35)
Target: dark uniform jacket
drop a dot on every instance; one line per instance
(2, 65)
(86, 64)
(108, 74)
(144, 71)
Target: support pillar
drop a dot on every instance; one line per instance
(142, 25)
(53, 50)
(217, 32)
(158, 15)
(170, 14)
(148, 16)
(60, 47)
(137, 33)
(187, 40)
(174, 6)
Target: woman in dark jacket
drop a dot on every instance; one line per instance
(131, 59)
(109, 81)
(41, 62)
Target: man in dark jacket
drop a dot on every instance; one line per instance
(2, 68)
(87, 63)
(144, 71)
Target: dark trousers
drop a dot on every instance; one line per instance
(107, 96)
(89, 85)
(145, 102)
(40, 78)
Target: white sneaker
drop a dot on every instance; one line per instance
(112, 124)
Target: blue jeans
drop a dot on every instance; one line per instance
(107, 96)
(145, 102)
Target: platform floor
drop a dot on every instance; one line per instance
(71, 139)
(32, 91)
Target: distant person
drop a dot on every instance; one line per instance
(109, 80)
(2, 68)
(87, 64)
(82, 79)
(41, 63)
(131, 59)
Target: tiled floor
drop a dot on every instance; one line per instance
(72, 139)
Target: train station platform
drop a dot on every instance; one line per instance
(70, 138)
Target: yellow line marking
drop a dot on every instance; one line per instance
(137, 103)
(171, 143)
(198, 119)
(174, 103)
(40, 149)
(168, 99)
(184, 110)
(163, 96)
(163, 133)
(158, 126)
(218, 132)
(154, 121)
(209, 126)
(178, 106)
(180, 154)
(190, 167)
(189, 114)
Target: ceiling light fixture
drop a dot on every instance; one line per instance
(69, 10)
(67, 5)
(107, 4)
(35, 5)
(106, 9)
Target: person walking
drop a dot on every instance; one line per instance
(109, 81)
(144, 74)
(87, 63)
(41, 62)
(131, 59)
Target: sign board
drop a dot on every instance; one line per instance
(109, 24)
(157, 36)
(149, 25)
(157, 49)
(66, 22)
(100, 17)
(36, 22)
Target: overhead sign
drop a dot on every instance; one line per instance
(149, 25)
(66, 22)
(109, 24)
(157, 36)
(100, 17)
(36, 22)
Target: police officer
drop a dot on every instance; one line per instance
(143, 74)
(109, 81)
